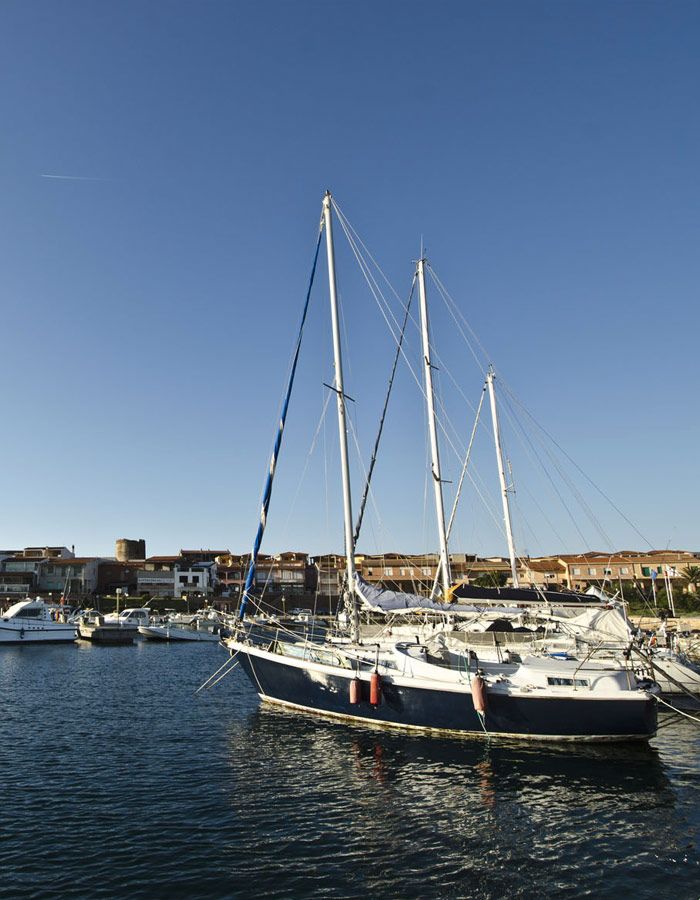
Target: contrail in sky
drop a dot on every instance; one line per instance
(73, 177)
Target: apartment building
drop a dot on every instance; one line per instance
(74, 576)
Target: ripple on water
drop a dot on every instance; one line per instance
(119, 782)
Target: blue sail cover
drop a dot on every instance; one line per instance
(382, 599)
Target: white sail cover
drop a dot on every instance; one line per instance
(607, 624)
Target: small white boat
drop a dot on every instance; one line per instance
(32, 622)
(130, 618)
(181, 628)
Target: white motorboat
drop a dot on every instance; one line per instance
(32, 622)
(183, 628)
(132, 617)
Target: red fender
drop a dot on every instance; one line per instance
(375, 689)
(355, 693)
(479, 694)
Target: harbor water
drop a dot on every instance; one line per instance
(117, 781)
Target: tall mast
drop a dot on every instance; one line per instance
(340, 397)
(490, 378)
(445, 575)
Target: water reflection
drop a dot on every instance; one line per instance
(488, 817)
(123, 783)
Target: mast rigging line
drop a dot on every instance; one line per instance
(573, 462)
(443, 419)
(457, 315)
(354, 240)
(377, 294)
(375, 450)
(523, 435)
(267, 491)
(458, 492)
(387, 313)
(307, 461)
(356, 243)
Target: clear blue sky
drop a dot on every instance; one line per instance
(548, 154)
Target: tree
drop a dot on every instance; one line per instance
(691, 578)
(491, 579)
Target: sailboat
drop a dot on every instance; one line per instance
(405, 684)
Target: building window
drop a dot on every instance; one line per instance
(577, 570)
(370, 572)
(607, 571)
(388, 571)
(425, 570)
(624, 570)
(591, 571)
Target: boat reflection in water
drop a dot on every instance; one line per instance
(434, 817)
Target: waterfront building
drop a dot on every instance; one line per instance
(175, 576)
(208, 556)
(585, 569)
(8, 554)
(416, 573)
(230, 573)
(16, 585)
(579, 571)
(325, 575)
(19, 571)
(547, 572)
(195, 579)
(157, 577)
(72, 577)
(284, 573)
(47, 553)
(113, 574)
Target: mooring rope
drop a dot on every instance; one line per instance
(680, 712)
(208, 683)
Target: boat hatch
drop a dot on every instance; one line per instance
(312, 653)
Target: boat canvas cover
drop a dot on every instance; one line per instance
(384, 600)
(601, 624)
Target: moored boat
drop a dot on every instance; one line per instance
(542, 699)
(33, 622)
(403, 685)
(168, 631)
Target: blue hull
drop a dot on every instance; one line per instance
(278, 680)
